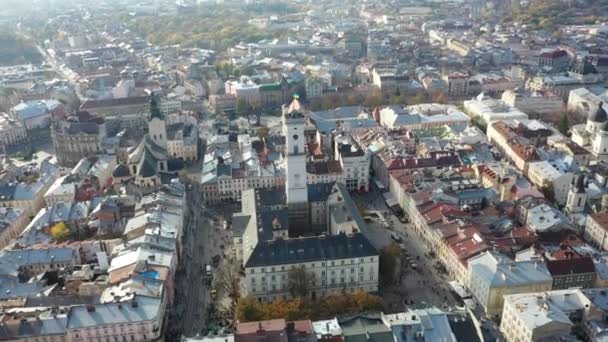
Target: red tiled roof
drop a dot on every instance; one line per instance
(253, 327)
(601, 219)
(324, 167)
(435, 213)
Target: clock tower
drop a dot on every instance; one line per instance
(294, 123)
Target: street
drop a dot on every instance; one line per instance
(423, 285)
(203, 239)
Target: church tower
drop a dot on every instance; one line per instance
(294, 123)
(157, 130)
(577, 195)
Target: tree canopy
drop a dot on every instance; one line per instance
(60, 231)
(17, 50)
(299, 281)
(249, 309)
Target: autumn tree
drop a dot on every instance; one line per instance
(291, 310)
(227, 278)
(299, 281)
(420, 97)
(440, 98)
(374, 99)
(249, 309)
(330, 101)
(60, 231)
(262, 132)
(328, 307)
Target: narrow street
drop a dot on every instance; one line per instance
(192, 289)
(204, 238)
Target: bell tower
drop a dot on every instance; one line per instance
(157, 129)
(294, 123)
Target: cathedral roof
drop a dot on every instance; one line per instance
(147, 145)
(121, 171)
(147, 165)
(599, 115)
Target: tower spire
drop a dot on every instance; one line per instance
(155, 107)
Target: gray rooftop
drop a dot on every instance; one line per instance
(145, 309)
(308, 249)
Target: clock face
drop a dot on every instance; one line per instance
(295, 137)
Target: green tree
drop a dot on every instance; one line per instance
(242, 107)
(388, 263)
(249, 309)
(419, 98)
(299, 281)
(60, 231)
(548, 192)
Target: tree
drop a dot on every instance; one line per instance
(262, 132)
(250, 309)
(564, 123)
(330, 101)
(299, 281)
(374, 99)
(242, 106)
(388, 263)
(228, 279)
(440, 98)
(291, 310)
(420, 97)
(60, 231)
(548, 192)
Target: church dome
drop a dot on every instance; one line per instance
(599, 115)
